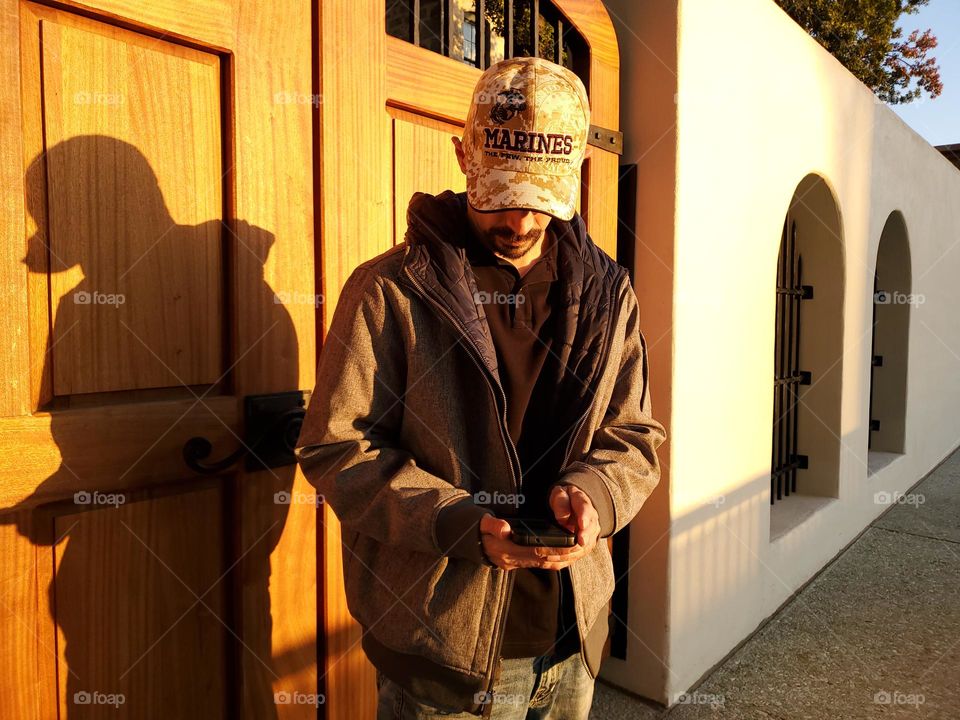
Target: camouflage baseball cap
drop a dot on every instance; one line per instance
(525, 137)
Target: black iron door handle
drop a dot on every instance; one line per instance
(272, 425)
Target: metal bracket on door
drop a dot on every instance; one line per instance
(272, 425)
(602, 137)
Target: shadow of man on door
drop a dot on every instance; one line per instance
(161, 586)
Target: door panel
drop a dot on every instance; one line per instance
(423, 161)
(108, 646)
(160, 182)
(130, 240)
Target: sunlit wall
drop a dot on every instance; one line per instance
(766, 123)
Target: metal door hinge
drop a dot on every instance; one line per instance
(605, 138)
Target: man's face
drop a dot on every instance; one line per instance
(510, 233)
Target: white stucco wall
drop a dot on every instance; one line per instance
(648, 76)
(760, 106)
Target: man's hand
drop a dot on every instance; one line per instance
(574, 510)
(508, 555)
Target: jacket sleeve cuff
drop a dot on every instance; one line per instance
(596, 489)
(458, 531)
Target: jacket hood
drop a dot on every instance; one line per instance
(437, 231)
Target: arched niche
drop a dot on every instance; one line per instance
(808, 349)
(892, 300)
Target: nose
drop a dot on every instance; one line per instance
(521, 221)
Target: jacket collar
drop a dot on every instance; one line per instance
(436, 257)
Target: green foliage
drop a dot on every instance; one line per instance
(862, 35)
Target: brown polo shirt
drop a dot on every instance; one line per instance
(520, 317)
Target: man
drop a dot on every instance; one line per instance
(489, 367)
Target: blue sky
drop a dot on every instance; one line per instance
(938, 120)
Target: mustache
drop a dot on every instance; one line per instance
(501, 231)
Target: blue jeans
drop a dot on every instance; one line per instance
(534, 688)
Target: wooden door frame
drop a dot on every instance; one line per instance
(361, 72)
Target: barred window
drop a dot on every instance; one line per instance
(483, 32)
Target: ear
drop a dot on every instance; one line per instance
(458, 148)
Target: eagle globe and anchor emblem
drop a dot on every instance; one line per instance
(507, 105)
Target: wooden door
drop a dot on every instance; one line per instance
(157, 268)
(386, 121)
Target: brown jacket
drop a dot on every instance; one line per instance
(406, 438)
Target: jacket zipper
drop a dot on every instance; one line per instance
(566, 457)
(500, 623)
(586, 413)
(511, 453)
(576, 431)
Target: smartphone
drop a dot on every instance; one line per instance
(541, 532)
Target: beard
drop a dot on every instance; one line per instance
(504, 241)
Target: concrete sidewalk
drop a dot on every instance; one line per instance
(875, 635)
